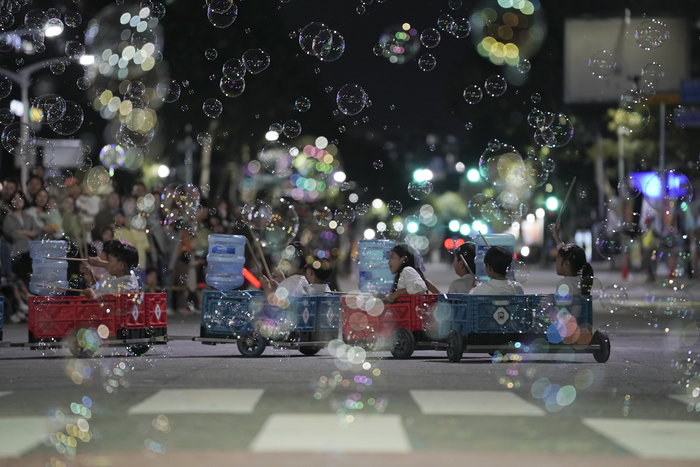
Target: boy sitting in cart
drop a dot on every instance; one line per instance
(496, 262)
(122, 260)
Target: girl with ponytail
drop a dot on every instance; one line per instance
(571, 263)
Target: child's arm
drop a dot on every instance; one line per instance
(431, 287)
(394, 295)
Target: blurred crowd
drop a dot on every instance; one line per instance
(172, 254)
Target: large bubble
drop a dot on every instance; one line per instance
(307, 36)
(257, 215)
(419, 189)
(328, 45)
(430, 37)
(495, 86)
(256, 60)
(18, 139)
(223, 19)
(602, 64)
(232, 87)
(281, 227)
(473, 94)
(168, 91)
(668, 191)
(277, 158)
(351, 99)
(651, 34)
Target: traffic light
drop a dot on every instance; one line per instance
(473, 175)
(552, 203)
(454, 225)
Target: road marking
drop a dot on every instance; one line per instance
(222, 401)
(658, 439)
(687, 400)
(440, 402)
(5, 393)
(326, 433)
(19, 435)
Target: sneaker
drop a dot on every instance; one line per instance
(23, 308)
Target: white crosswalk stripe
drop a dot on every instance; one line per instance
(688, 401)
(19, 435)
(332, 434)
(437, 402)
(218, 401)
(5, 393)
(651, 439)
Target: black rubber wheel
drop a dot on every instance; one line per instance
(603, 354)
(455, 346)
(75, 348)
(309, 351)
(251, 345)
(138, 349)
(402, 343)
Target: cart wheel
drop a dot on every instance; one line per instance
(73, 344)
(138, 349)
(455, 346)
(601, 355)
(309, 351)
(251, 344)
(402, 343)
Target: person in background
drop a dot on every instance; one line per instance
(467, 281)
(47, 220)
(497, 260)
(34, 184)
(293, 262)
(139, 190)
(105, 217)
(152, 282)
(571, 263)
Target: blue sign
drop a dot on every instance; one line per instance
(650, 184)
(690, 90)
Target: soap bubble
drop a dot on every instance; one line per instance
(233, 68)
(71, 121)
(307, 35)
(302, 104)
(256, 60)
(668, 190)
(35, 19)
(473, 94)
(180, 205)
(521, 271)
(323, 215)
(524, 65)
(602, 64)
(362, 209)
(378, 164)
(460, 28)
(562, 129)
(328, 45)
(653, 71)
(74, 49)
(632, 118)
(419, 190)
(444, 22)
(427, 62)
(351, 99)
(212, 108)
(6, 117)
(482, 207)
(539, 119)
(430, 37)
(614, 298)
(282, 226)
(495, 85)
(83, 83)
(5, 86)
(220, 6)
(222, 19)
(276, 157)
(626, 188)
(72, 19)
(168, 91)
(454, 4)
(291, 129)
(232, 87)
(344, 215)
(535, 97)
(211, 54)
(651, 34)
(395, 207)
(609, 244)
(57, 68)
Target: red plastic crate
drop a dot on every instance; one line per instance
(57, 317)
(132, 308)
(413, 312)
(156, 310)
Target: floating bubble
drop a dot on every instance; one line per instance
(277, 158)
(71, 121)
(361, 209)
(83, 83)
(344, 215)
(444, 22)
(6, 117)
(223, 19)
(232, 87)
(482, 207)
(668, 190)
(112, 155)
(395, 207)
(495, 85)
(524, 65)
(627, 189)
(212, 108)
(351, 99)
(651, 34)
(168, 91)
(609, 244)
(72, 19)
(562, 131)
(307, 35)
(282, 226)
(498, 161)
(602, 64)
(460, 28)
(427, 62)
(632, 118)
(419, 190)
(323, 215)
(256, 60)
(473, 94)
(535, 97)
(328, 45)
(430, 37)
(276, 127)
(521, 271)
(653, 71)
(291, 129)
(5, 86)
(74, 49)
(220, 6)
(211, 54)
(57, 68)
(36, 19)
(302, 104)
(539, 119)
(454, 4)
(97, 179)
(378, 164)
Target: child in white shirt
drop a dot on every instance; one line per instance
(318, 277)
(496, 262)
(467, 281)
(408, 278)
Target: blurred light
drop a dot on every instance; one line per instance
(339, 176)
(381, 226)
(87, 60)
(53, 30)
(17, 108)
(321, 142)
(539, 213)
(548, 188)
(460, 167)
(422, 175)
(530, 218)
(453, 225)
(163, 171)
(552, 203)
(377, 203)
(353, 198)
(525, 251)
(473, 175)
(369, 234)
(479, 227)
(465, 229)
(412, 227)
(449, 244)
(272, 136)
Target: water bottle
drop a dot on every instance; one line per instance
(375, 275)
(48, 273)
(225, 261)
(505, 240)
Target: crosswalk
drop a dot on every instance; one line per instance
(294, 429)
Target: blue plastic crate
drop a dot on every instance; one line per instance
(501, 313)
(550, 309)
(328, 312)
(453, 309)
(306, 312)
(229, 313)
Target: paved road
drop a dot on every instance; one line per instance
(187, 403)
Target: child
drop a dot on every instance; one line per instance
(122, 259)
(409, 278)
(318, 278)
(467, 280)
(496, 262)
(296, 284)
(571, 263)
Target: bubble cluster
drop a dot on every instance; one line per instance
(318, 40)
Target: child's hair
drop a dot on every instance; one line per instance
(499, 259)
(295, 254)
(323, 272)
(468, 252)
(109, 245)
(405, 251)
(126, 253)
(575, 255)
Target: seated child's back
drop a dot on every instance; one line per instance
(467, 280)
(496, 262)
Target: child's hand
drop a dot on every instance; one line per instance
(392, 296)
(89, 293)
